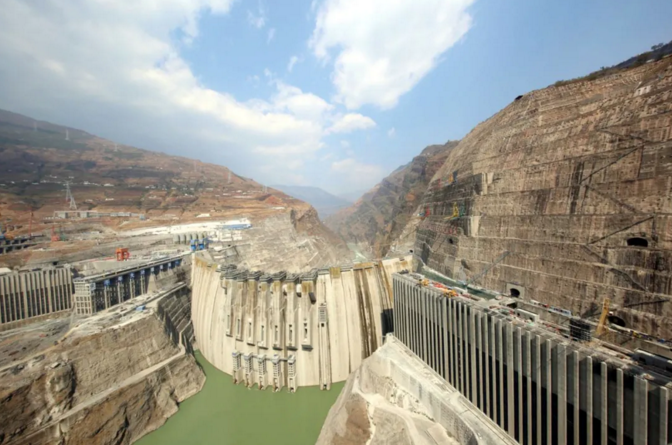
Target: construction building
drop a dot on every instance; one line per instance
(535, 384)
(85, 214)
(26, 295)
(98, 292)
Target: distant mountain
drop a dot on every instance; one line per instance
(37, 158)
(324, 202)
(378, 218)
(352, 196)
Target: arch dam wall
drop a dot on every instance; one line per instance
(574, 182)
(289, 330)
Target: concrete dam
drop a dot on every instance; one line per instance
(291, 330)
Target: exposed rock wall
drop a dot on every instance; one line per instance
(296, 241)
(380, 216)
(575, 182)
(104, 384)
(394, 398)
(291, 330)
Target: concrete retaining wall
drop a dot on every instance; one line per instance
(27, 295)
(536, 385)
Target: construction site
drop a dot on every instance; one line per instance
(510, 287)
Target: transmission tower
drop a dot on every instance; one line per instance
(229, 176)
(69, 198)
(67, 135)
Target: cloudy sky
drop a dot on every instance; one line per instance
(330, 93)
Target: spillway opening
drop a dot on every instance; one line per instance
(638, 242)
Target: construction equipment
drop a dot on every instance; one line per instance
(54, 236)
(602, 324)
(449, 293)
(497, 260)
(123, 254)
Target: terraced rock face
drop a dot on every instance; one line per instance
(575, 182)
(379, 217)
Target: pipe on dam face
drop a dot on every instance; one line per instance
(312, 329)
(534, 384)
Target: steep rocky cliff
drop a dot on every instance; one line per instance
(394, 398)
(107, 382)
(378, 219)
(566, 191)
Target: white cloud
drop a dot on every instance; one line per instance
(292, 62)
(391, 133)
(382, 49)
(271, 35)
(350, 122)
(357, 174)
(345, 144)
(258, 18)
(142, 92)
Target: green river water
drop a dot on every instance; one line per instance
(224, 413)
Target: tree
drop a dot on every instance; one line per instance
(658, 46)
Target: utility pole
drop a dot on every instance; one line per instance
(69, 198)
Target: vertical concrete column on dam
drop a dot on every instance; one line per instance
(263, 316)
(278, 307)
(330, 282)
(307, 365)
(292, 314)
(539, 388)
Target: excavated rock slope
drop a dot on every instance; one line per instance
(106, 386)
(394, 398)
(574, 182)
(381, 215)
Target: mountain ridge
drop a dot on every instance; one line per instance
(377, 220)
(324, 202)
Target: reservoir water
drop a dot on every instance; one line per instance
(224, 413)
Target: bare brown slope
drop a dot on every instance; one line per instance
(574, 181)
(379, 217)
(39, 157)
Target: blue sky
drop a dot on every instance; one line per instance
(330, 93)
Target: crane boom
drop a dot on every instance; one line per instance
(603, 317)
